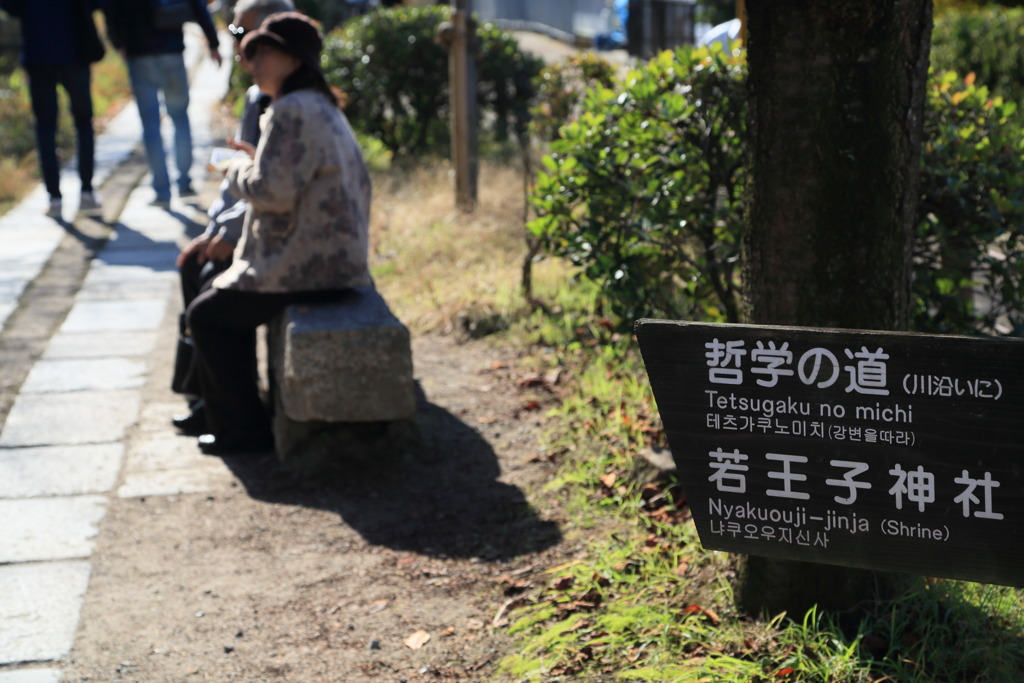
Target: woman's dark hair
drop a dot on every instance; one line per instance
(308, 78)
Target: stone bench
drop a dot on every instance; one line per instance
(341, 381)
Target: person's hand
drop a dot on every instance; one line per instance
(242, 145)
(215, 53)
(197, 245)
(218, 249)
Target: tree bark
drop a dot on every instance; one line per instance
(836, 105)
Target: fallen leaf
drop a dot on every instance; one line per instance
(417, 640)
(486, 420)
(405, 562)
(378, 605)
(697, 609)
(449, 631)
(609, 479)
(524, 570)
(498, 365)
(530, 379)
(479, 665)
(499, 618)
(564, 583)
(531, 405)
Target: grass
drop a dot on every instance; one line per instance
(644, 602)
(444, 269)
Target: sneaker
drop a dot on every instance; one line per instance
(56, 207)
(187, 191)
(161, 203)
(89, 204)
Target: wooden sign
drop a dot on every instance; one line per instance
(898, 452)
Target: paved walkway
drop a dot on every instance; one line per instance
(63, 448)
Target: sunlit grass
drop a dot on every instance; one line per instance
(440, 265)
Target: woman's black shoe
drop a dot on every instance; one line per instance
(234, 443)
(194, 423)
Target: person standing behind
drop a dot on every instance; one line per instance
(156, 65)
(59, 42)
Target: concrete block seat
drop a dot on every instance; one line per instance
(341, 382)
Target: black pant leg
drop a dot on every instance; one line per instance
(223, 325)
(194, 277)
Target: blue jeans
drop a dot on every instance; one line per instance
(150, 75)
(42, 87)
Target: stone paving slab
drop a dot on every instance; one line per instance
(93, 374)
(172, 482)
(166, 450)
(105, 275)
(157, 257)
(59, 470)
(40, 609)
(156, 416)
(142, 288)
(164, 463)
(84, 417)
(20, 252)
(167, 229)
(10, 290)
(100, 345)
(115, 316)
(47, 529)
(30, 676)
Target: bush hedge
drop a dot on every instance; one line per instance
(643, 190)
(394, 73)
(983, 41)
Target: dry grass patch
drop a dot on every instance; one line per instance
(16, 181)
(435, 264)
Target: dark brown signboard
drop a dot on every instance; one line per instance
(899, 452)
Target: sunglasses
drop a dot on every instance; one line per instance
(238, 32)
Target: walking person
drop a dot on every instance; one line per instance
(305, 237)
(156, 66)
(59, 42)
(209, 254)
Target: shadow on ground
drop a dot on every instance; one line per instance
(442, 498)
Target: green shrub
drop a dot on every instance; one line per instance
(643, 190)
(985, 42)
(18, 124)
(394, 74)
(560, 87)
(968, 241)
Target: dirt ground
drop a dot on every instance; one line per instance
(401, 571)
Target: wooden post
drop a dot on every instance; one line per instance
(462, 88)
(741, 14)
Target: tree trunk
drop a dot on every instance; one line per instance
(836, 102)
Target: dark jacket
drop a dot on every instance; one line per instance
(50, 33)
(130, 28)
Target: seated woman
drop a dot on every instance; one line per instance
(305, 236)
